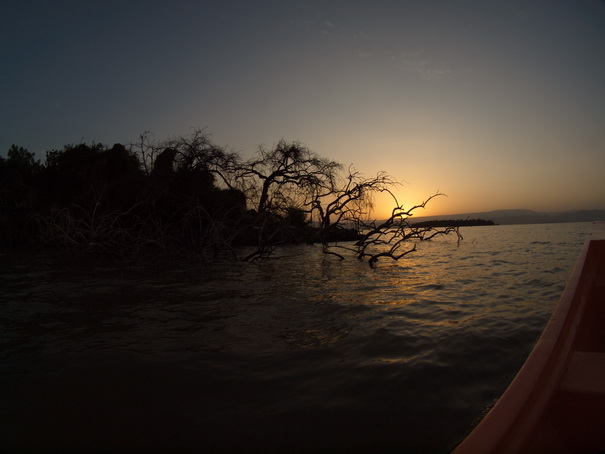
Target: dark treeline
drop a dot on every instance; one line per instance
(453, 223)
(189, 195)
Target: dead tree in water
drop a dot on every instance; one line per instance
(285, 177)
(351, 205)
(388, 238)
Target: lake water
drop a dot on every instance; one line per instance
(299, 353)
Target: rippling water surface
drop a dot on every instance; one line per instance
(301, 353)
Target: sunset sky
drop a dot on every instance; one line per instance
(498, 104)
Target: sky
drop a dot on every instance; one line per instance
(499, 104)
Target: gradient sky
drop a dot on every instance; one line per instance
(498, 104)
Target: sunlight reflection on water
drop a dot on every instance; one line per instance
(263, 354)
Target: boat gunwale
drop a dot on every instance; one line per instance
(510, 423)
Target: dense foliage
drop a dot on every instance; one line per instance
(187, 194)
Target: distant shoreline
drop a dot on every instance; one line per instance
(507, 217)
(452, 223)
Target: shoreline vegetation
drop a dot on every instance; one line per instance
(187, 195)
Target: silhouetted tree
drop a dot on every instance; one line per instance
(388, 238)
(348, 200)
(20, 162)
(92, 175)
(189, 190)
(163, 165)
(344, 211)
(285, 177)
(19, 174)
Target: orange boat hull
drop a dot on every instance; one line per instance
(556, 403)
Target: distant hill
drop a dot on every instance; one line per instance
(452, 223)
(504, 217)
